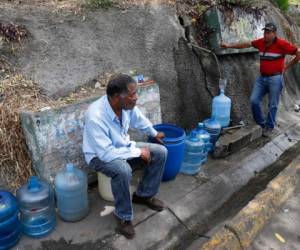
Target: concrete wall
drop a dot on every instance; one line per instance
(54, 137)
(65, 51)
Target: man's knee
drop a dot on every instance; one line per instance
(160, 152)
(255, 102)
(122, 170)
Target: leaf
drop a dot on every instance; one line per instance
(280, 238)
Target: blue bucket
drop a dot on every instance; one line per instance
(174, 142)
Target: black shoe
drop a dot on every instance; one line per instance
(153, 203)
(125, 228)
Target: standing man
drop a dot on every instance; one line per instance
(108, 149)
(272, 51)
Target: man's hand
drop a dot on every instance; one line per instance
(146, 155)
(159, 137)
(293, 62)
(223, 45)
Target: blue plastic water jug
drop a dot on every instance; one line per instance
(194, 154)
(221, 107)
(204, 136)
(71, 193)
(10, 228)
(213, 127)
(36, 200)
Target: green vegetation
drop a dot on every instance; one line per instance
(99, 4)
(283, 4)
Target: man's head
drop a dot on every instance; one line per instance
(269, 32)
(122, 91)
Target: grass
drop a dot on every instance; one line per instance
(99, 4)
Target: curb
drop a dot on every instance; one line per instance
(240, 232)
(191, 213)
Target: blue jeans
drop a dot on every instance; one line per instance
(271, 85)
(120, 172)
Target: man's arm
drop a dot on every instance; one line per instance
(142, 123)
(102, 144)
(294, 61)
(236, 45)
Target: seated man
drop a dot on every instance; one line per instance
(108, 149)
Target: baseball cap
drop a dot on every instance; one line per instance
(270, 27)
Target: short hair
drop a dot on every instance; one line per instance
(118, 84)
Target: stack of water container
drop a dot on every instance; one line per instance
(202, 140)
(36, 205)
(197, 146)
(194, 154)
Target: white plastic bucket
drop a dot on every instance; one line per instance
(104, 185)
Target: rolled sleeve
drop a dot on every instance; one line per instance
(152, 132)
(142, 123)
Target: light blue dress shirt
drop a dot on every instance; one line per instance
(106, 137)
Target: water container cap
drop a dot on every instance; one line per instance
(194, 134)
(69, 167)
(200, 125)
(34, 184)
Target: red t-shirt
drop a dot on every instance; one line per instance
(272, 57)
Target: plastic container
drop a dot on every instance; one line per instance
(221, 107)
(213, 127)
(104, 185)
(194, 154)
(10, 228)
(36, 200)
(204, 136)
(71, 189)
(174, 142)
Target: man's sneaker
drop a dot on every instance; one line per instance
(125, 228)
(153, 203)
(268, 132)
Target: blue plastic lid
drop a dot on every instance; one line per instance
(8, 204)
(70, 167)
(34, 184)
(200, 125)
(194, 135)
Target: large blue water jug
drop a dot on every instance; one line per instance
(194, 154)
(71, 193)
(204, 136)
(213, 127)
(174, 142)
(36, 200)
(10, 228)
(221, 107)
